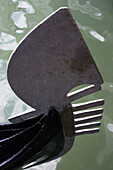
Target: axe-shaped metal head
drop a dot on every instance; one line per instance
(50, 61)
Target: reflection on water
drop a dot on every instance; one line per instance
(108, 146)
(7, 41)
(47, 166)
(85, 8)
(14, 0)
(25, 5)
(89, 31)
(19, 31)
(42, 7)
(3, 65)
(28, 14)
(105, 153)
(19, 19)
(97, 36)
(110, 127)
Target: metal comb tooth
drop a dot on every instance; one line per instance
(90, 112)
(86, 105)
(83, 92)
(84, 121)
(87, 119)
(86, 131)
(87, 125)
(83, 115)
(80, 90)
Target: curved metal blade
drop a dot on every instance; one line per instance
(50, 61)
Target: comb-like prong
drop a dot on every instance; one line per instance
(83, 113)
(87, 125)
(86, 105)
(87, 119)
(82, 92)
(86, 131)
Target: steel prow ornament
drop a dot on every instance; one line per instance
(49, 62)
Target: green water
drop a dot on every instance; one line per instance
(95, 21)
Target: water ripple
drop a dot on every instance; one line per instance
(86, 8)
(110, 127)
(91, 32)
(14, 0)
(19, 19)
(29, 8)
(7, 41)
(97, 36)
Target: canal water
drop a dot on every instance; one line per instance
(95, 21)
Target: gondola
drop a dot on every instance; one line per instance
(49, 62)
